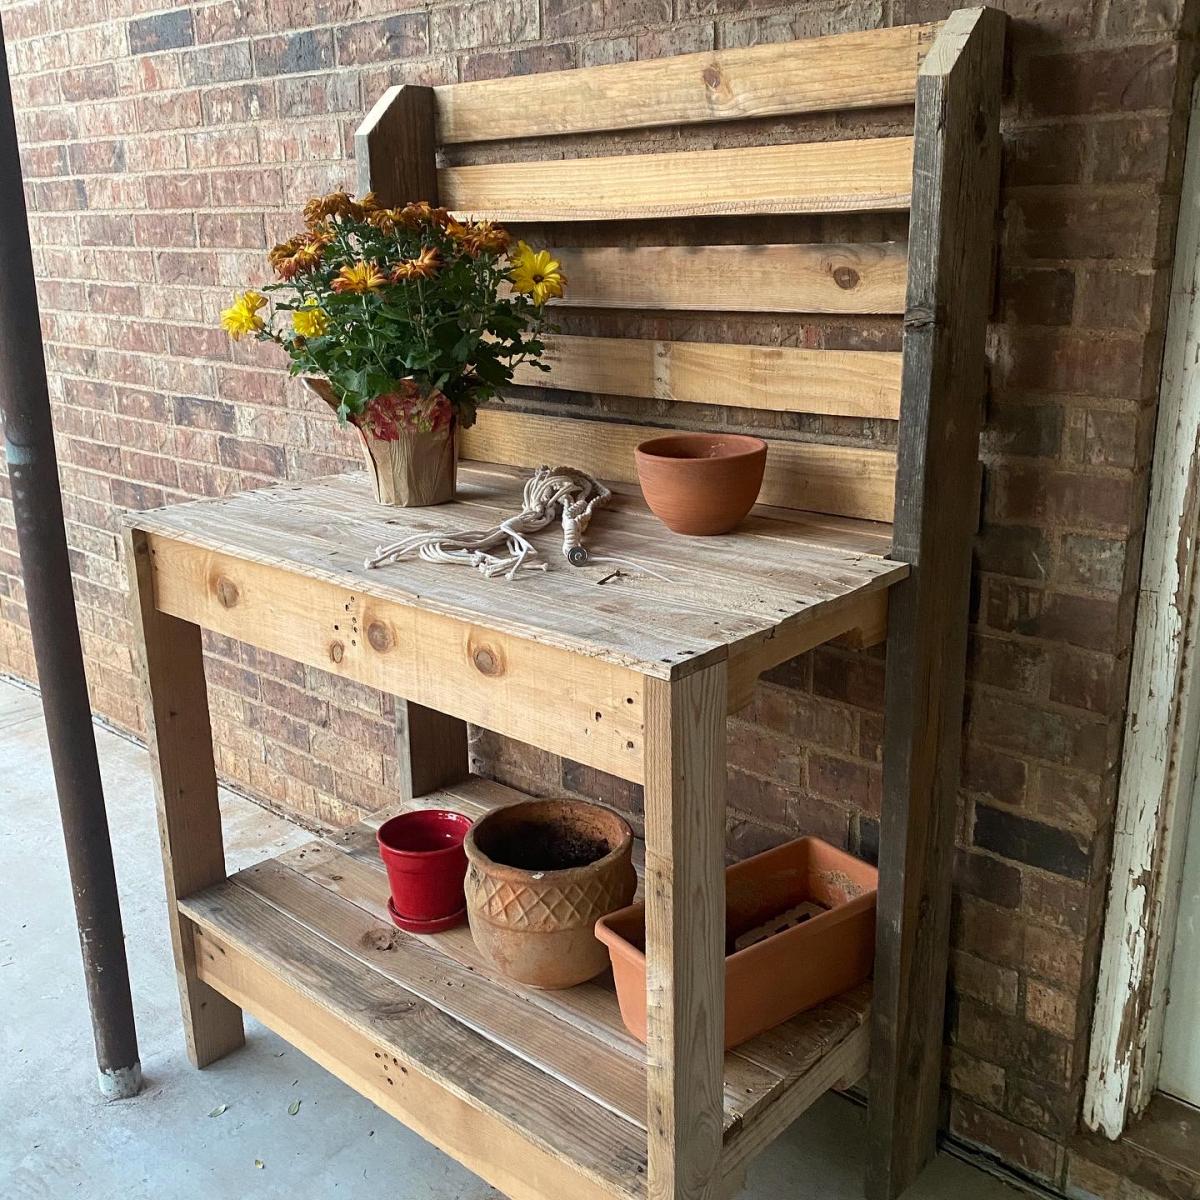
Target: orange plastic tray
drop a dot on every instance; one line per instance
(788, 972)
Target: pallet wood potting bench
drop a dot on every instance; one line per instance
(543, 1093)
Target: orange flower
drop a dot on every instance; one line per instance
(486, 237)
(425, 266)
(336, 204)
(386, 220)
(301, 253)
(361, 278)
(422, 212)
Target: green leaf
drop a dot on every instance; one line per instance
(293, 1108)
(216, 1112)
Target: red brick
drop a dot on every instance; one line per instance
(242, 102)
(1024, 493)
(1098, 81)
(96, 82)
(531, 61)
(177, 110)
(1043, 155)
(482, 23)
(571, 18)
(1022, 1147)
(1082, 680)
(1024, 729)
(1085, 224)
(1087, 621)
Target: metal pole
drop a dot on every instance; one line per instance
(54, 625)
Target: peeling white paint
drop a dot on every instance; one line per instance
(1159, 756)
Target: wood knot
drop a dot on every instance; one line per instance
(379, 939)
(712, 76)
(227, 592)
(380, 636)
(337, 651)
(487, 660)
(846, 277)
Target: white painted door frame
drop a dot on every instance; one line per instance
(1163, 722)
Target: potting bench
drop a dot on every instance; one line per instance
(544, 1094)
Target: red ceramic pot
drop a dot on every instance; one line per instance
(426, 865)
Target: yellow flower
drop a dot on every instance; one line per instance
(424, 266)
(363, 277)
(536, 274)
(310, 321)
(242, 316)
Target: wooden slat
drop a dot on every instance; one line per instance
(611, 1079)
(866, 174)
(843, 383)
(685, 932)
(179, 738)
(854, 70)
(952, 233)
(521, 1129)
(847, 277)
(846, 480)
(471, 672)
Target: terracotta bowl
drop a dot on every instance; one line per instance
(541, 874)
(701, 483)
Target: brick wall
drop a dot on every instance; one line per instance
(163, 151)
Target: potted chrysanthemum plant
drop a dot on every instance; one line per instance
(402, 320)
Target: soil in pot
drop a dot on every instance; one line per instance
(540, 875)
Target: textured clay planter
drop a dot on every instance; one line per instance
(415, 470)
(786, 972)
(540, 875)
(426, 864)
(701, 483)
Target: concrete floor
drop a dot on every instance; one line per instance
(58, 1139)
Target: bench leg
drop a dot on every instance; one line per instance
(431, 748)
(189, 820)
(685, 932)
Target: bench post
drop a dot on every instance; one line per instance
(179, 737)
(685, 932)
(395, 149)
(956, 170)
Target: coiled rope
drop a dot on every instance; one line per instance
(571, 492)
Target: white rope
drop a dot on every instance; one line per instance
(572, 492)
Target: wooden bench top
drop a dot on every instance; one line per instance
(779, 569)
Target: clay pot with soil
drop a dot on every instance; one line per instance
(701, 483)
(540, 875)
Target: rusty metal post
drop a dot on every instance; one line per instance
(54, 625)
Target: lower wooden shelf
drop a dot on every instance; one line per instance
(541, 1093)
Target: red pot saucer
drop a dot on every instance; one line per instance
(415, 925)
